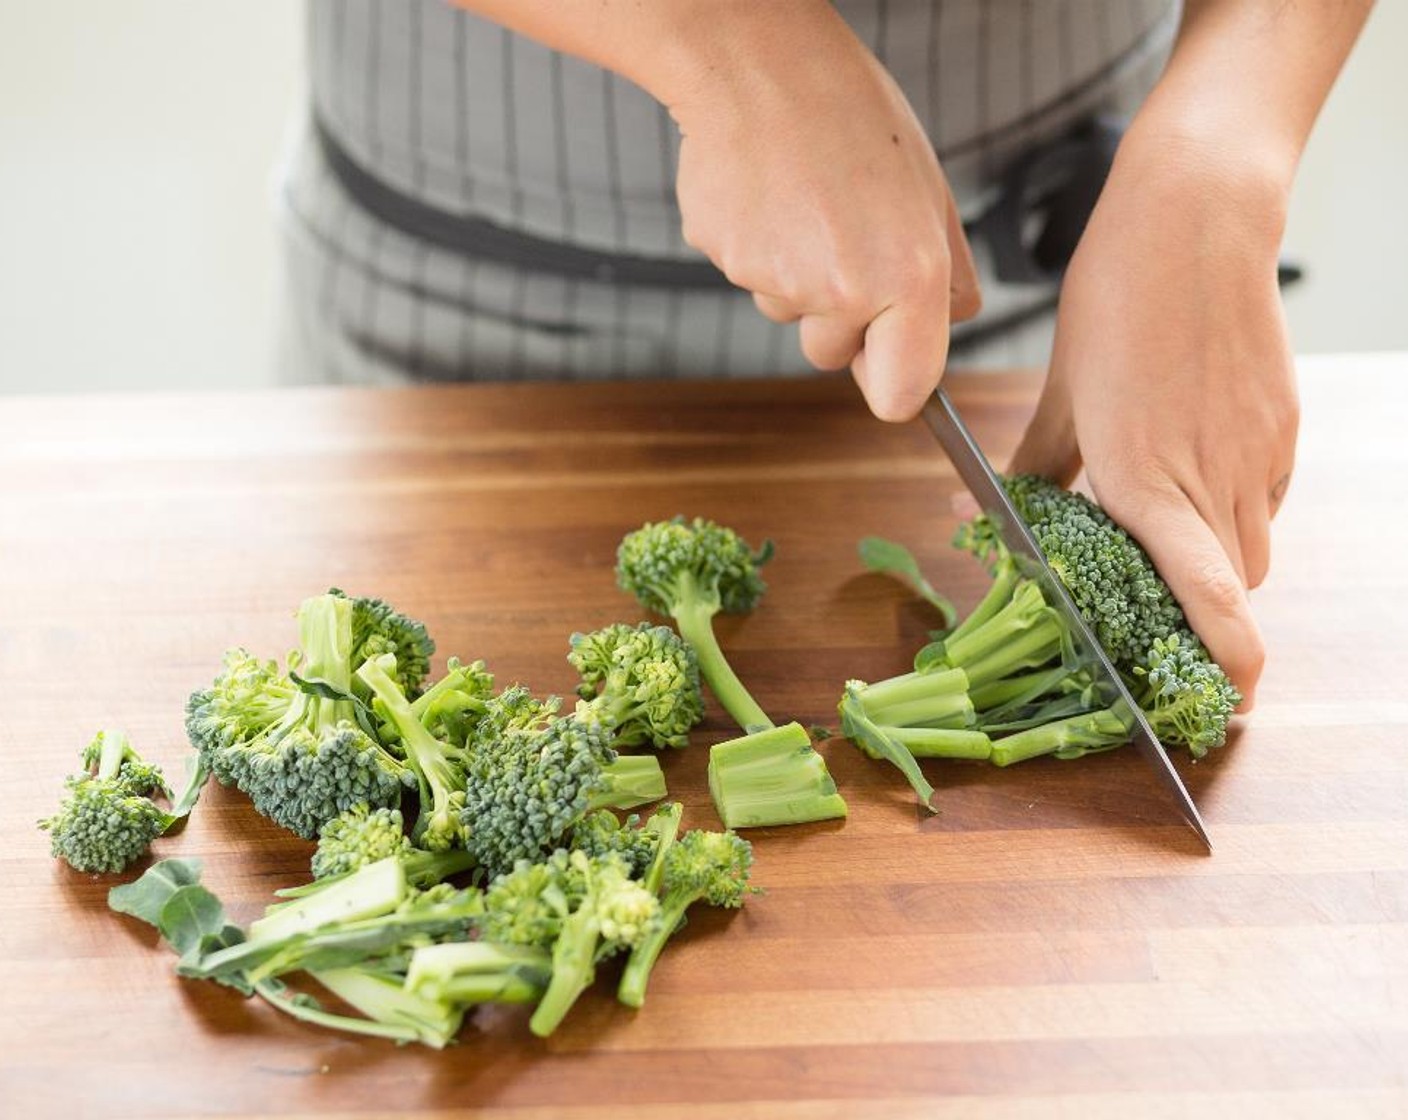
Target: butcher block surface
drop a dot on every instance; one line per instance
(1054, 942)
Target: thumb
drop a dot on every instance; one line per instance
(1048, 446)
(906, 346)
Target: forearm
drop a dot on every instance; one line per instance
(667, 47)
(1247, 79)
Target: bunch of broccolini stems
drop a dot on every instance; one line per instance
(1006, 684)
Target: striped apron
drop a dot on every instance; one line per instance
(459, 202)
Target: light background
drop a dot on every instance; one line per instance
(137, 242)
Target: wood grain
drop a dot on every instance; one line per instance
(1052, 944)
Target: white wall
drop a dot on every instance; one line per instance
(1349, 215)
(136, 141)
(137, 247)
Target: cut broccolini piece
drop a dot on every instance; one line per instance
(772, 777)
(692, 570)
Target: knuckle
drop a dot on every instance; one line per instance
(1217, 587)
(967, 301)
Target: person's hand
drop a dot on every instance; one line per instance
(1172, 380)
(806, 178)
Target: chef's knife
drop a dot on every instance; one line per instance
(985, 486)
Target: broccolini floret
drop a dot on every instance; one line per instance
(359, 836)
(108, 820)
(581, 909)
(439, 766)
(640, 682)
(692, 570)
(710, 866)
(526, 789)
(639, 842)
(297, 750)
(379, 628)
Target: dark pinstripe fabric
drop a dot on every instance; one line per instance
(471, 119)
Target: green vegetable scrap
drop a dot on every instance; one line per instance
(772, 777)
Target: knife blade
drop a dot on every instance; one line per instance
(982, 481)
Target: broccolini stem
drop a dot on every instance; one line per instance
(1019, 689)
(878, 743)
(696, 624)
(479, 972)
(277, 995)
(633, 779)
(772, 777)
(1093, 729)
(913, 686)
(1036, 643)
(937, 711)
(941, 742)
(636, 975)
(573, 968)
(1004, 583)
(113, 754)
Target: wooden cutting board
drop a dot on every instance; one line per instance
(1053, 943)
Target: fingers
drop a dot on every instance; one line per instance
(906, 346)
(1254, 539)
(830, 343)
(775, 308)
(1049, 446)
(965, 295)
(1198, 571)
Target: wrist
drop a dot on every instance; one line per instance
(1186, 163)
(707, 54)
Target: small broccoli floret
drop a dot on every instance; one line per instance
(379, 628)
(246, 700)
(359, 836)
(107, 821)
(602, 833)
(313, 760)
(452, 707)
(525, 906)
(614, 912)
(512, 711)
(692, 570)
(710, 866)
(1187, 696)
(638, 842)
(525, 791)
(640, 682)
(438, 766)
(579, 908)
(772, 777)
